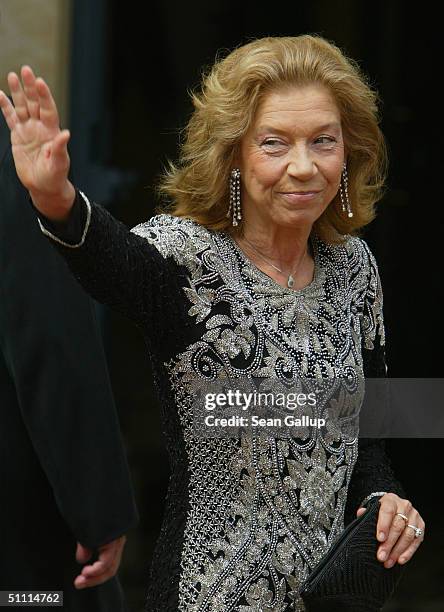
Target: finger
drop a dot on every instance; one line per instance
(58, 152)
(395, 531)
(59, 148)
(8, 110)
(97, 568)
(360, 511)
(410, 551)
(387, 512)
(407, 540)
(83, 553)
(31, 94)
(107, 557)
(48, 109)
(18, 97)
(81, 582)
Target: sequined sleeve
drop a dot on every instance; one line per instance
(114, 265)
(373, 471)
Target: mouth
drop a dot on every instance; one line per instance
(298, 196)
(299, 192)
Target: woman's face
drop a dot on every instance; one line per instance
(294, 145)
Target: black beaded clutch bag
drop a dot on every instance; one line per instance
(350, 578)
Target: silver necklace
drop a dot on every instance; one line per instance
(290, 279)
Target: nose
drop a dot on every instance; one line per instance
(300, 164)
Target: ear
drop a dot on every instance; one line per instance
(236, 157)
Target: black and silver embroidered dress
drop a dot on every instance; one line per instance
(245, 519)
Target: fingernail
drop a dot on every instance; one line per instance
(381, 536)
(390, 563)
(382, 555)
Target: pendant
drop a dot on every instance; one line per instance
(290, 282)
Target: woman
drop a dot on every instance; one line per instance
(255, 269)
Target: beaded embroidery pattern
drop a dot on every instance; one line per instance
(264, 511)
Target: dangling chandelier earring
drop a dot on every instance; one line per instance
(345, 201)
(235, 205)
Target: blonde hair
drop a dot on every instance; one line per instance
(198, 187)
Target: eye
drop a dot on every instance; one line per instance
(273, 146)
(325, 139)
(272, 142)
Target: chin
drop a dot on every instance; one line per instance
(297, 217)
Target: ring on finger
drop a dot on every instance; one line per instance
(403, 516)
(417, 530)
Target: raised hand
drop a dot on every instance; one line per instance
(39, 146)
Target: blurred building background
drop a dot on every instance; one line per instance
(120, 75)
(38, 32)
